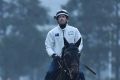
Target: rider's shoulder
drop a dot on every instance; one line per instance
(52, 31)
(71, 27)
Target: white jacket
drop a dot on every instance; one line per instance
(54, 41)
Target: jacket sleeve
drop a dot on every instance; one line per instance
(49, 43)
(77, 37)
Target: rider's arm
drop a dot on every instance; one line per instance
(49, 43)
(77, 37)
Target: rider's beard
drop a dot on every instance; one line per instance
(62, 26)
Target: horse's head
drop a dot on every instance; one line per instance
(70, 56)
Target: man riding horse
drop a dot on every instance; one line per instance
(54, 42)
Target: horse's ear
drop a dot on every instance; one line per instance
(78, 43)
(65, 42)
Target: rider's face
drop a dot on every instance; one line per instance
(62, 19)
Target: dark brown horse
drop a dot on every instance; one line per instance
(69, 64)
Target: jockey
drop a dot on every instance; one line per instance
(54, 41)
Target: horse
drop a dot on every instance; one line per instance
(69, 64)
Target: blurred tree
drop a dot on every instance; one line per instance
(116, 39)
(21, 43)
(94, 19)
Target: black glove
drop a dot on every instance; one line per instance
(55, 57)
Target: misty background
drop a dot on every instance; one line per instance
(24, 25)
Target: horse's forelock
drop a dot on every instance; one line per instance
(70, 46)
(71, 51)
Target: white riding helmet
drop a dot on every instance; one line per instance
(60, 12)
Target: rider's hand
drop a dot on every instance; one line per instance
(55, 57)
